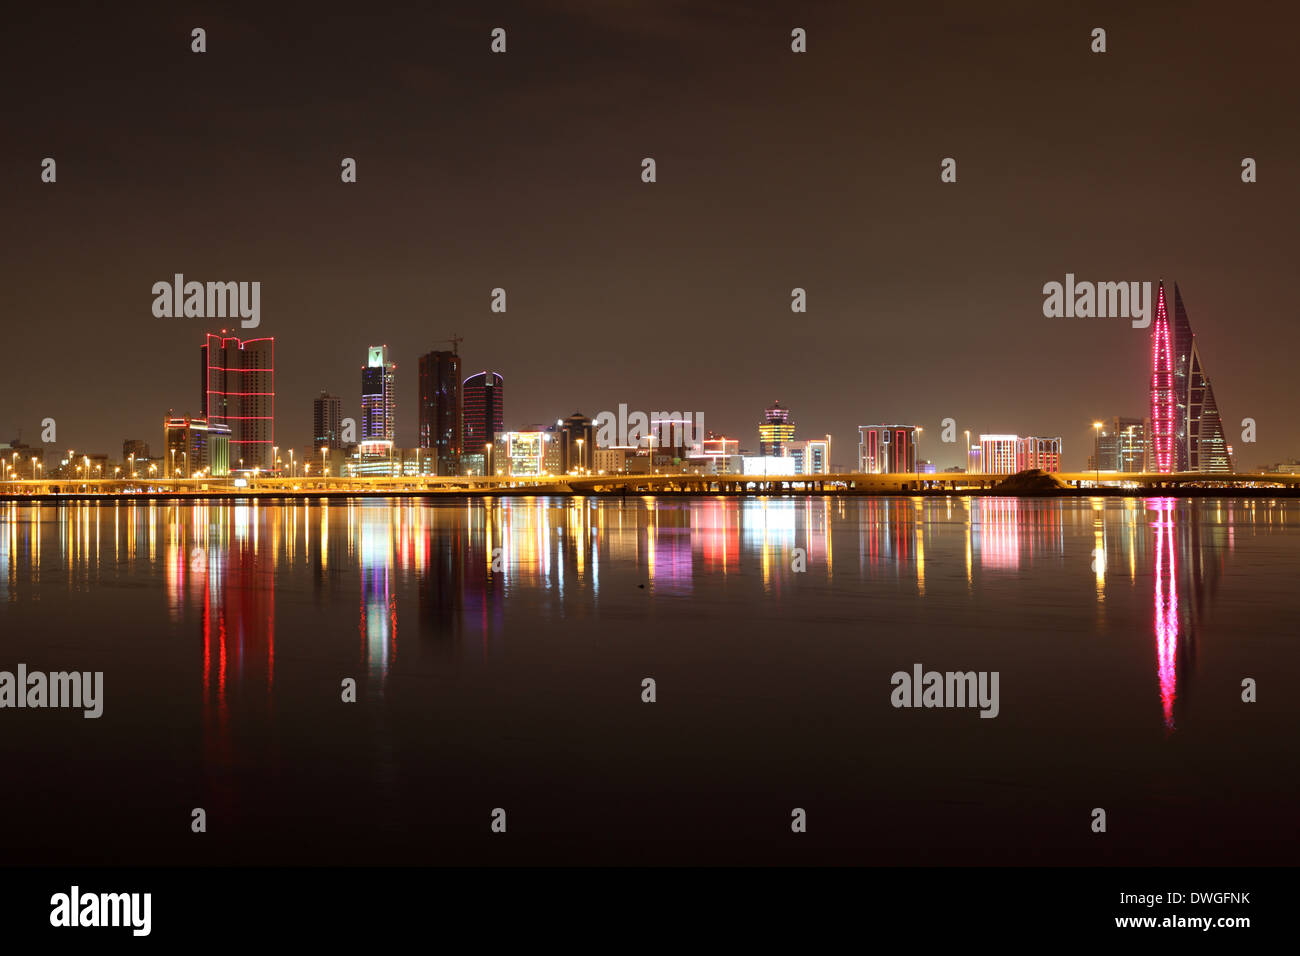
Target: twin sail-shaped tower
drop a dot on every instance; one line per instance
(1186, 430)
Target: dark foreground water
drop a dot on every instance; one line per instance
(499, 649)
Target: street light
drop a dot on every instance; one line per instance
(323, 470)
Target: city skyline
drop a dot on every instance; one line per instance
(1187, 434)
(622, 291)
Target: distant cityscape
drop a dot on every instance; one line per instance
(232, 432)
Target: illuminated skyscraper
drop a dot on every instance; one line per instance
(776, 433)
(238, 390)
(484, 410)
(441, 415)
(1198, 431)
(1163, 401)
(378, 397)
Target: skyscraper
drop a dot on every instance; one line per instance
(1198, 430)
(441, 414)
(378, 397)
(776, 432)
(484, 410)
(238, 390)
(327, 421)
(1163, 400)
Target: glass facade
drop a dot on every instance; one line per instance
(484, 396)
(441, 414)
(378, 397)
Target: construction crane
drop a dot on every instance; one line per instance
(455, 341)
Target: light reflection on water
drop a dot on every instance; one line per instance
(469, 559)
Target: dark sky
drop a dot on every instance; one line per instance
(775, 170)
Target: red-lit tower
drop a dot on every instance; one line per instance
(238, 390)
(1162, 390)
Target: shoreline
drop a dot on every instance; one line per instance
(544, 492)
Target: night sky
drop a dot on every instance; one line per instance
(775, 170)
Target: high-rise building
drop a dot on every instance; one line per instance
(1122, 445)
(327, 421)
(577, 442)
(531, 452)
(1187, 431)
(484, 397)
(1198, 431)
(135, 448)
(776, 432)
(195, 447)
(811, 457)
(1163, 400)
(886, 449)
(441, 411)
(238, 391)
(999, 454)
(378, 397)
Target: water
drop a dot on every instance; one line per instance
(1121, 629)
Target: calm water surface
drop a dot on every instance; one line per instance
(499, 649)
